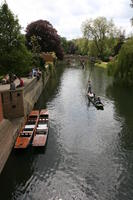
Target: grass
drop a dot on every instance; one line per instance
(101, 64)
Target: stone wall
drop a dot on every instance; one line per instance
(20, 102)
(12, 102)
(16, 104)
(32, 93)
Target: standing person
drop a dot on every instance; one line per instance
(89, 87)
(12, 85)
(21, 83)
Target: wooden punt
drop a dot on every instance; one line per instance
(41, 132)
(97, 104)
(27, 131)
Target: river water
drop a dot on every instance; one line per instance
(89, 153)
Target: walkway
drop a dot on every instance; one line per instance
(7, 86)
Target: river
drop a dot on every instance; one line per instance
(89, 153)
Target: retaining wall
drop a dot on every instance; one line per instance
(16, 105)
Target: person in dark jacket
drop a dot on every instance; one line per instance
(89, 87)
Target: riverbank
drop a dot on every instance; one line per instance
(9, 127)
(102, 64)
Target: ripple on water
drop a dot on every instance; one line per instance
(87, 154)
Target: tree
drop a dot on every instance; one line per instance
(83, 46)
(124, 70)
(64, 44)
(36, 49)
(119, 44)
(72, 48)
(14, 56)
(99, 30)
(122, 66)
(46, 36)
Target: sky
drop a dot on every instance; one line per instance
(66, 16)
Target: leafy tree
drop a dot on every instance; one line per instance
(122, 67)
(125, 63)
(64, 44)
(72, 48)
(46, 36)
(119, 44)
(99, 30)
(14, 56)
(36, 49)
(83, 46)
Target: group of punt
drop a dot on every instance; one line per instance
(34, 131)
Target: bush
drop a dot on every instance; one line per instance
(124, 70)
(122, 67)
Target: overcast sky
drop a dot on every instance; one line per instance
(66, 16)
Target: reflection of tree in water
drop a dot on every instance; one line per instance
(16, 174)
(51, 88)
(123, 101)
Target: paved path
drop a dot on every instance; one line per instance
(7, 86)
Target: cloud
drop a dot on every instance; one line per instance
(67, 15)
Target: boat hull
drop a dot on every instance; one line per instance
(41, 132)
(26, 133)
(99, 106)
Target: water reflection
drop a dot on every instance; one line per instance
(87, 154)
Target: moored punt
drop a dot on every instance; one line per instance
(98, 104)
(41, 132)
(26, 133)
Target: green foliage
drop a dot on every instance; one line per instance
(17, 61)
(103, 34)
(9, 29)
(82, 46)
(122, 67)
(64, 44)
(93, 51)
(46, 36)
(14, 56)
(101, 64)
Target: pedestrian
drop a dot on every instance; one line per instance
(21, 83)
(12, 85)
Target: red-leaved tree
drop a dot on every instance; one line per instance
(46, 36)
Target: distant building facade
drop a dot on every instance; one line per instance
(48, 57)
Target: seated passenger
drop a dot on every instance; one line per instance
(97, 100)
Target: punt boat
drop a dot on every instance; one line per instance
(41, 132)
(95, 102)
(27, 131)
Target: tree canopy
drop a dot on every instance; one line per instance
(14, 56)
(46, 36)
(99, 31)
(122, 66)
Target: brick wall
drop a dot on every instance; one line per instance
(1, 110)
